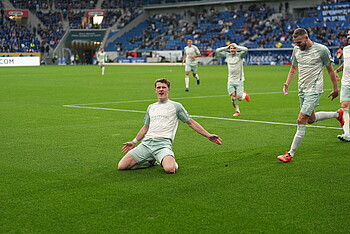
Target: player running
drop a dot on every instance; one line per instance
(101, 59)
(345, 90)
(308, 59)
(191, 52)
(235, 84)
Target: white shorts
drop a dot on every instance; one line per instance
(345, 93)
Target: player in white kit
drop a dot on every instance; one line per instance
(101, 59)
(345, 90)
(158, 133)
(191, 52)
(309, 59)
(235, 84)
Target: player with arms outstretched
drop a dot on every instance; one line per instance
(158, 133)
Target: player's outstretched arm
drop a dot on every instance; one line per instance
(292, 71)
(333, 78)
(198, 128)
(131, 144)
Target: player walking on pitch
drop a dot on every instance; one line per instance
(158, 133)
(235, 84)
(101, 59)
(345, 90)
(308, 59)
(191, 52)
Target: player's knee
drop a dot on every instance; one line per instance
(345, 105)
(170, 170)
(121, 166)
(301, 121)
(311, 121)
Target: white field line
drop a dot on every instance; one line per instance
(179, 98)
(204, 117)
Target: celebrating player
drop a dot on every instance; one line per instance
(235, 84)
(345, 90)
(191, 52)
(308, 59)
(158, 133)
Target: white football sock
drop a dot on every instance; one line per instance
(243, 95)
(298, 138)
(325, 115)
(187, 82)
(197, 76)
(346, 121)
(103, 70)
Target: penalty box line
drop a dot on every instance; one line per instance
(203, 117)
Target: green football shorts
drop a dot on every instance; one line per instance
(345, 93)
(235, 87)
(308, 102)
(152, 149)
(192, 68)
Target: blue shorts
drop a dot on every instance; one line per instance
(152, 149)
(308, 102)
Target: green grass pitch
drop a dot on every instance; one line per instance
(58, 163)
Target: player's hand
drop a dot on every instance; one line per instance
(285, 89)
(334, 94)
(216, 139)
(128, 146)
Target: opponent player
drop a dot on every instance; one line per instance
(158, 133)
(101, 59)
(235, 84)
(345, 90)
(308, 59)
(191, 52)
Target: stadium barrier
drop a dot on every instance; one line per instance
(19, 59)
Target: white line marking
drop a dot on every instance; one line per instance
(204, 117)
(178, 98)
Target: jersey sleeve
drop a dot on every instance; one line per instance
(222, 51)
(326, 56)
(197, 50)
(147, 118)
(244, 51)
(182, 114)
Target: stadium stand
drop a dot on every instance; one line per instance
(17, 38)
(265, 30)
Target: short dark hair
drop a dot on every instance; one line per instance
(162, 80)
(299, 32)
